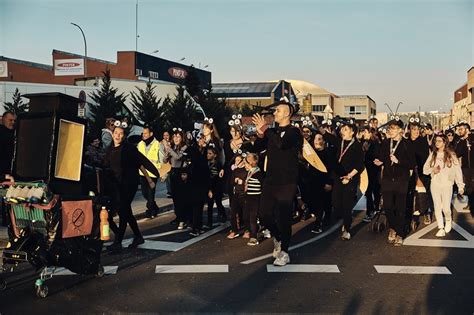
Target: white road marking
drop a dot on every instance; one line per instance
(173, 246)
(304, 268)
(311, 240)
(361, 205)
(160, 245)
(196, 239)
(442, 270)
(166, 233)
(192, 268)
(109, 270)
(416, 238)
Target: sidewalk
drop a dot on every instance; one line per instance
(138, 207)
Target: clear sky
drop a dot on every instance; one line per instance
(413, 51)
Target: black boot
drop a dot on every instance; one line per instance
(115, 247)
(137, 240)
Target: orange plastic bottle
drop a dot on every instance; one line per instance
(104, 225)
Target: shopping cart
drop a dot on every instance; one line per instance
(39, 233)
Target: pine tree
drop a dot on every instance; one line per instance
(108, 103)
(218, 110)
(17, 106)
(147, 107)
(193, 85)
(248, 110)
(212, 106)
(179, 112)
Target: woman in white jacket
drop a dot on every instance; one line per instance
(445, 170)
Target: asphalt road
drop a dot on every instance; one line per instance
(174, 272)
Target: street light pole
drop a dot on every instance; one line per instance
(85, 49)
(136, 27)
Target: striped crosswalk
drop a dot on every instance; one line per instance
(290, 268)
(441, 270)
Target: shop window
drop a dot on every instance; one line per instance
(355, 110)
(318, 108)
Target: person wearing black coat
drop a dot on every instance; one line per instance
(463, 149)
(279, 190)
(398, 160)
(200, 182)
(321, 184)
(346, 175)
(371, 147)
(123, 162)
(418, 199)
(7, 145)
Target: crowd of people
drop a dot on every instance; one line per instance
(409, 170)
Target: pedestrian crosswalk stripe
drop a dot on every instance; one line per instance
(108, 270)
(442, 270)
(417, 240)
(191, 268)
(304, 268)
(311, 240)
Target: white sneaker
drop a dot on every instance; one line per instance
(441, 233)
(276, 248)
(282, 259)
(181, 226)
(448, 226)
(267, 234)
(346, 236)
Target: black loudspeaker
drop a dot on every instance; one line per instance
(49, 147)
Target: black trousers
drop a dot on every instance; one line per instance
(237, 205)
(199, 197)
(3, 210)
(343, 200)
(252, 203)
(152, 208)
(216, 198)
(276, 206)
(373, 194)
(468, 176)
(394, 204)
(127, 193)
(422, 202)
(320, 205)
(182, 197)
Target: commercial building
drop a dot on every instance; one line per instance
(312, 98)
(67, 68)
(463, 105)
(253, 94)
(72, 73)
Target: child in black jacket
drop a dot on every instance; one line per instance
(216, 185)
(237, 198)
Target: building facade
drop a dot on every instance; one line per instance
(463, 105)
(67, 68)
(260, 94)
